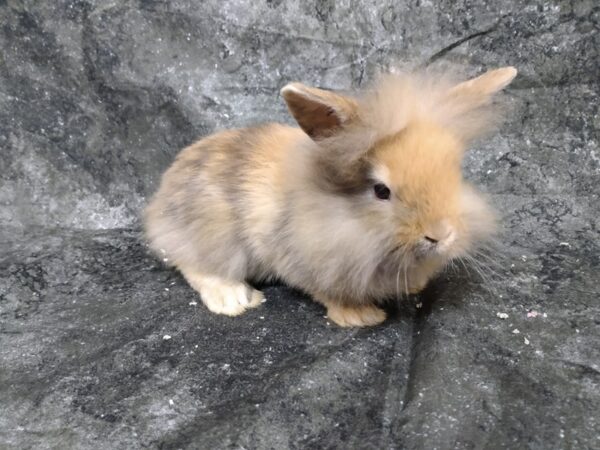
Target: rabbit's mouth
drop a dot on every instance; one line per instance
(427, 249)
(407, 255)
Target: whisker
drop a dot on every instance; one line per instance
(486, 267)
(406, 280)
(450, 265)
(461, 260)
(485, 273)
(398, 283)
(488, 258)
(472, 267)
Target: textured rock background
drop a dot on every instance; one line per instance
(96, 98)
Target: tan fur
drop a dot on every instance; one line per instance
(355, 316)
(270, 202)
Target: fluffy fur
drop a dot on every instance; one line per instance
(299, 205)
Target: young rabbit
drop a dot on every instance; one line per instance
(364, 201)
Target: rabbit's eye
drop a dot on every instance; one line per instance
(382, 192)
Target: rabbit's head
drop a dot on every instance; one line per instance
(394, 155)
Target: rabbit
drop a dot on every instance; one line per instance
(364, 201)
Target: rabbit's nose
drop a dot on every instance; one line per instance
(438, 232)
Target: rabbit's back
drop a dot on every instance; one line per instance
(221, 197)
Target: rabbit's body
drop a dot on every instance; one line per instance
(272, 202)
(250, 191)
(221, 187)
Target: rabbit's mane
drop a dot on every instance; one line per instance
(397, 100)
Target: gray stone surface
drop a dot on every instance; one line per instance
(96, 98)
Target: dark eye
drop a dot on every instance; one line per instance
(382, 192)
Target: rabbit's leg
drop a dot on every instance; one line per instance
(223, 296)
(346, 315)
(419, 276)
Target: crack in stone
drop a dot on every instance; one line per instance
(439, 54)
(418, 326)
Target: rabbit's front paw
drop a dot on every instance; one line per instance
(418, 277)
(223, 296)
(230, 299)
(355, 316)
(416, 286)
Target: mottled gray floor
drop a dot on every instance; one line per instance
(96, 98)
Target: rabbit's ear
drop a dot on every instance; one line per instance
(486, 85)
(318, 112)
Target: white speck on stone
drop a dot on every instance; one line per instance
(532, 314)
(526, 341)
(165, 259)
(564, 244)
(193, 303)
(167, 289)
(264, 300)
(544, 315)
(166, 337)
(516, 331)
(419, 305)
(489, 171)
(502, 315)
(171, 402)
(524, 257)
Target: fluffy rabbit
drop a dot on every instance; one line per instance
(362, 202)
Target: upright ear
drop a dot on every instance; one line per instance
(486, 85)
(319, 113)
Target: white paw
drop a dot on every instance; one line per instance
(229, 298)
